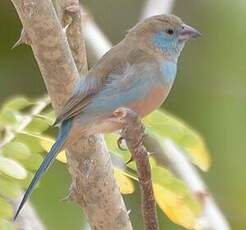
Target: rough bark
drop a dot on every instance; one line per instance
(93, 185)
(69, 14)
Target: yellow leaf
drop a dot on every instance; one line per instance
(199, 153)
(124, 182)
(164, 125)
(175, 207)
(47, 142)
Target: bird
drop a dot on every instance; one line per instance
(137, 73)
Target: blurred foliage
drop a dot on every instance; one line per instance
(21, 157)
(169, 126)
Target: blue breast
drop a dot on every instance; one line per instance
(168, 70)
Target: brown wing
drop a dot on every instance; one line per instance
(112, 62)
(84, 91)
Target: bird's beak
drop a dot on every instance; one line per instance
(188, 33)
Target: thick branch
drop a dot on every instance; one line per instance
(93, 184)
(133, 134)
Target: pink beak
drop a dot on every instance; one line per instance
(188, 33)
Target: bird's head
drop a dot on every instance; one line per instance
(166, 34)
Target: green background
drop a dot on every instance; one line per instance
(209, 94)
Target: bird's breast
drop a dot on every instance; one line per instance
(168, 70)
(158, 91)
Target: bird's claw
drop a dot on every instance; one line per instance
(119, 142)
(129, 161)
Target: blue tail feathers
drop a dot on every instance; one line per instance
(55, 149)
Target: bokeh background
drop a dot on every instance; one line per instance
(209, 94)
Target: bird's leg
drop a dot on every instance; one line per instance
(119, 142)
(130, 160)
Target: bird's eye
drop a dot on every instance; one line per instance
(170, 31)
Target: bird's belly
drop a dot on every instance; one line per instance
(150, 102)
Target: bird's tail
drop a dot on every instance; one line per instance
(55, 149)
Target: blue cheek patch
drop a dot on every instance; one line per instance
(162, 41)
(168, 71)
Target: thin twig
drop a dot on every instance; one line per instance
(133, 134)
(94, 34)
(153, 7)
(23, 39)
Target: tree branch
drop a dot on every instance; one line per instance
(69, 14)
(133, 134)
(93, 184)
(153, 7)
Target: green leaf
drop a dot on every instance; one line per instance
(6, 225)
(8, 117)
(8, 188)
(161, 176)
(123, 181)
(12, 168)
(17, 103)
(37, 126)
(163, 125)
(33, 162)
(6, 210)
(26, 182)
(48, 116)
(51, 115)
(166, 179)
(31, 141)
(16, 150)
